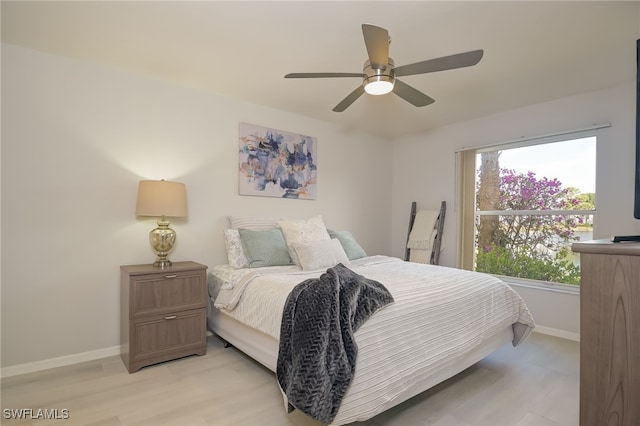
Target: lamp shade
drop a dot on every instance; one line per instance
(161, 198)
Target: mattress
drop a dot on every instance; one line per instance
(443, 320)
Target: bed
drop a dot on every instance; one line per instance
(442, 320)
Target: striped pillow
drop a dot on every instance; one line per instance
(253, 223)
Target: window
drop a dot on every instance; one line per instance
(522, 206)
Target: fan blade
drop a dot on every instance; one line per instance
(459, 60)
(411, 95)
(351, 98)
(377, 41)
(323, 74)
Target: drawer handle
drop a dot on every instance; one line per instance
(171, 276)
(170, 317)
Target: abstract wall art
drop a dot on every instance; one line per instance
(275, 163)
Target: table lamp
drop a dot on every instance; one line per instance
(162, 199)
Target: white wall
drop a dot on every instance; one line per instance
(424, 171)
(77, 138)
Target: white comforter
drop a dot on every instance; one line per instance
(439, 315)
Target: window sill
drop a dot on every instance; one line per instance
(541, 285)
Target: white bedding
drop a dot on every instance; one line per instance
(439, 316)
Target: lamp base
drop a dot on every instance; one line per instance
(162, 263)
(162, 239)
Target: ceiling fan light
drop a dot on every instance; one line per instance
(379, 85)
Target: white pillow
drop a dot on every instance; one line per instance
(253, 223)
(304, 230)
(322, 254)
(235, 251)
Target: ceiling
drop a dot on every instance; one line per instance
(533, 51)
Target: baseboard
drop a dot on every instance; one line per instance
(45, 364)
(557, 333)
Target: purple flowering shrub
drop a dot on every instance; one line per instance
(532, 246)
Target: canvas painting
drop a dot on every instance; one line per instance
(275, 163)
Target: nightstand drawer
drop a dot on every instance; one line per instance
(167, 292)
(166, 334)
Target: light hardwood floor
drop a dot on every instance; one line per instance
(535, 384)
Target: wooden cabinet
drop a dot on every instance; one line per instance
(163, 313)
(609, 333)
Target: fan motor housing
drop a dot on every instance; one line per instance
(378, 73)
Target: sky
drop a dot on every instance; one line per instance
(572, 162)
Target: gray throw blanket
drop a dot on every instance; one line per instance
(317, 353)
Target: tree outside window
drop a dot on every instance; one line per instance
(525, 222)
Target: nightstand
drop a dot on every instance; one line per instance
(163, 313)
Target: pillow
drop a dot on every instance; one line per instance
(321, 254)
(264, 248)
(303, 230)
(349, 243)
(254, 223)
(233, 246)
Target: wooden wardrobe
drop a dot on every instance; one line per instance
(609, 333)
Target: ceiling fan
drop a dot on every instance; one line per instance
(379, 72)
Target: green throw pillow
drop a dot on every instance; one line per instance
(349, 244)
(264, 248)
